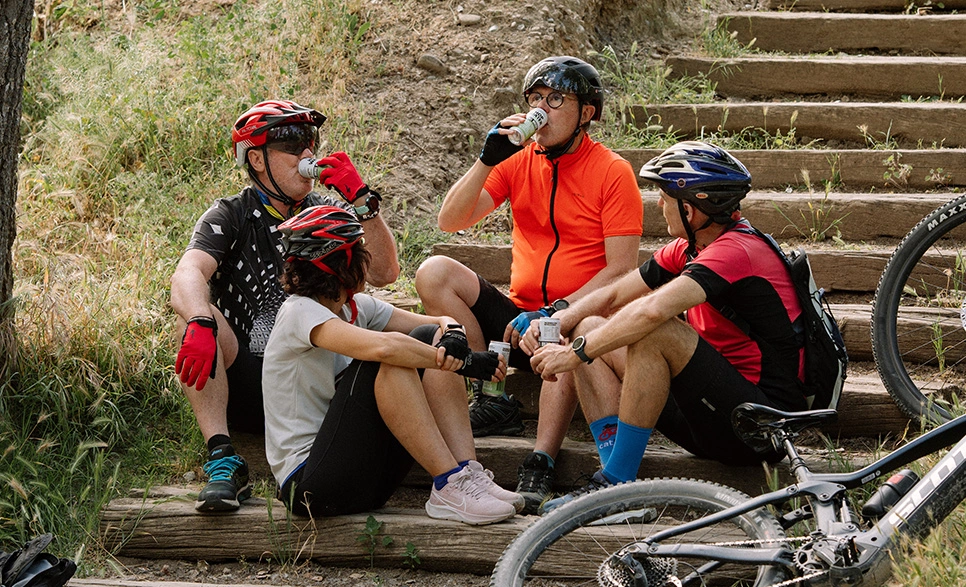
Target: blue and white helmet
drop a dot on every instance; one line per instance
(703, 175)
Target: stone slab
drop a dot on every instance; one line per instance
(880, 78)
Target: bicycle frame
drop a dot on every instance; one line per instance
(920, 510)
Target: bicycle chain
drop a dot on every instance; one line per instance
(788, 540)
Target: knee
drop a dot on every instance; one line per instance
(587, 324)
(431, 275)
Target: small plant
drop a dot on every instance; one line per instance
(370, 539)
(411, 556)
(896, 173)
(818, 223)
(939, 177)
(937, 344)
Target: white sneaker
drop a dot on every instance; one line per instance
(465, 500)
(484, 477)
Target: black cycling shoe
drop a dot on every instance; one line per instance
(227, 481)
(598, 481)
(494, 416)
(536, 478)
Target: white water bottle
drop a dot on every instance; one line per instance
(310, 168)
(536, 118)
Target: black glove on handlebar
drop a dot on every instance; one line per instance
(496, 147)
(480, 365)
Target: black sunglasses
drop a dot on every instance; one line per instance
(293, 139)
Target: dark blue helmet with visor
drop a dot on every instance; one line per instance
(705, 176)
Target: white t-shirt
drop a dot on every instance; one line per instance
(298, 379)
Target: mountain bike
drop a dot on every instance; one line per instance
(659, 532)
(919, 316)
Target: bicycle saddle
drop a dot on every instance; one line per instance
(755, 423)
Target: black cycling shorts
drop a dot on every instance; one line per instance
(246, 413)
(698, 411)
(493, 311)
(355, 463)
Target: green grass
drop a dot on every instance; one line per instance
(124, 147)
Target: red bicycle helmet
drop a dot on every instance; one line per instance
(315, 233)
(251, 128)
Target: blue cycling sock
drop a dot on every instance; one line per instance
(439, 481)
(628, 451)
(605, 433)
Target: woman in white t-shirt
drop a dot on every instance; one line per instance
(355, 389)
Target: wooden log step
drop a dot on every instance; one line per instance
(881, 78)
(162, 523)
(858, 5)
(129, 583)
(807, 215)
(169, 527)
(848, 170)
(866, 408)
(847, 270)
(910, 124)
(820, 32)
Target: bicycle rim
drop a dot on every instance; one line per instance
(569, 545)
(918, 332)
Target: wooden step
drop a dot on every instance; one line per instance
(860, 5)
(851, 270)
(880, 78)
(821, 32)
(906, 124)
(866, 408)
(849, 170)
(852, 217)
(162, 523)
(169, 528)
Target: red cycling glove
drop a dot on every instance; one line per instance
(341, 175)
(198, 355)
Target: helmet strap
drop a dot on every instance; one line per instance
(691, 251)
(278, 193)
(555, 152)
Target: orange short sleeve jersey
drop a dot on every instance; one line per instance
(562, 212)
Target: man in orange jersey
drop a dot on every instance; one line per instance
(577, 222)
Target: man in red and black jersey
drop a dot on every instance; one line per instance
(684, 376)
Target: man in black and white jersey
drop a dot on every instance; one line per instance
(225, 289)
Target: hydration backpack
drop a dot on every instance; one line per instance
(826, 359)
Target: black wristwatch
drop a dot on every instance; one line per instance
(370, 208)
(578, 346)
(558, 305)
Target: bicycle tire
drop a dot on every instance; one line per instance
(565, 543)
(918, 332)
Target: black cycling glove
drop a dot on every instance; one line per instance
(454, 341)
(480, 365)
(497, 148)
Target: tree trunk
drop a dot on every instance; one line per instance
(15, 20)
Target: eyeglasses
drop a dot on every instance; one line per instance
(554, 99)
(293, 139)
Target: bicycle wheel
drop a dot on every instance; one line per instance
(574, 544)
(919, 316)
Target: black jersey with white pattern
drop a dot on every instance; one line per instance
(243, 238)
